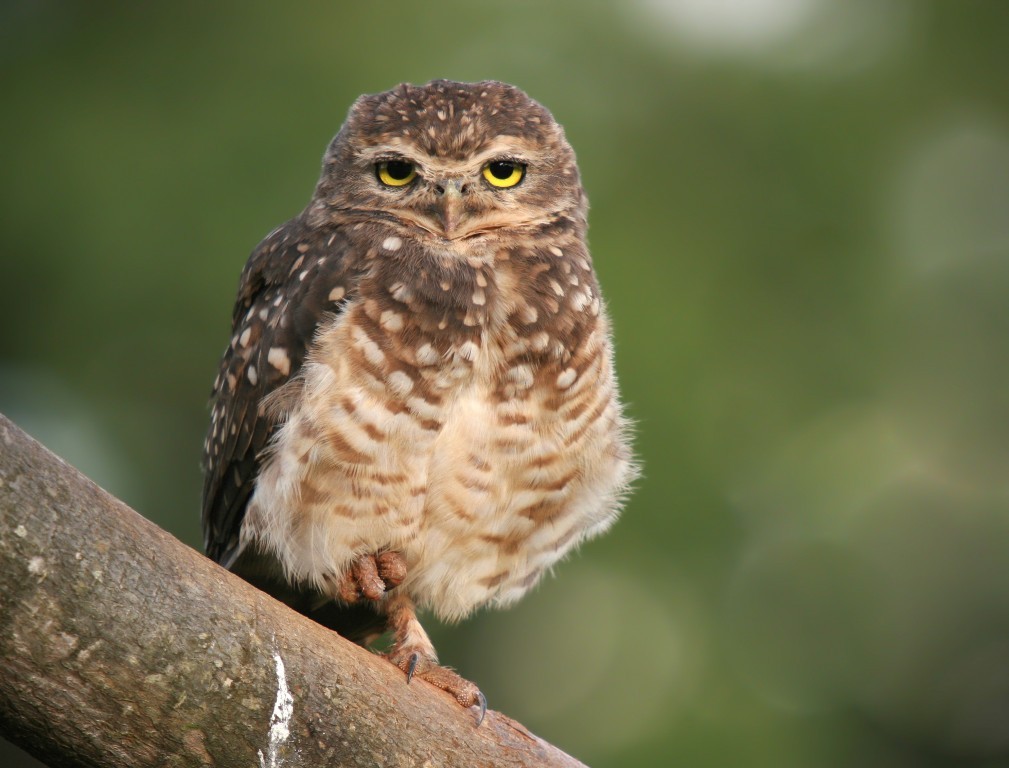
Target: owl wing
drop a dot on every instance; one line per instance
(298, 276)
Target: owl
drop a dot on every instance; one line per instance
(418, 409)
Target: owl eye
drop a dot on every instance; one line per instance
(504, 173)
(396, 173)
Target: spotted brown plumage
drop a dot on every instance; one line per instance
(418, 409)
(294, 279)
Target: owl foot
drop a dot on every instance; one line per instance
(370, 577)
(417, 664)
(413, 653)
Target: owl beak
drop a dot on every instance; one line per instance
(450, 208)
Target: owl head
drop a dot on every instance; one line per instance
(455, 163)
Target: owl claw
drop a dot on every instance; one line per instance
(482, 701)
(412, 667)
(391, 568)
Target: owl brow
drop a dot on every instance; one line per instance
(504, 151)
(516, 159)
(390, 157)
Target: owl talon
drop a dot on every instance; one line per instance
(414, 655)
(482, 701)
(370, 577)
(391, 568)
(418, 665)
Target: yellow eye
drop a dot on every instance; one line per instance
(396, 173)
(504, 173)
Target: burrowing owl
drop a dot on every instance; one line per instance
(418, 408)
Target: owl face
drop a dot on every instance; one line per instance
(452, 162)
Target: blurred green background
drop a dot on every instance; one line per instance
(800, 217)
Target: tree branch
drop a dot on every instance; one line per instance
(122, 647)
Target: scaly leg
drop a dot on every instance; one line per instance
(413, 653)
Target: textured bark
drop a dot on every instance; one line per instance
(121, 646)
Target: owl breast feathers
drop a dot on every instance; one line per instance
(420, 365)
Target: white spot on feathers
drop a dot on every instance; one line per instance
(528, 315)
(400, 383)
(400, 292)
(539, 341)
(279, 359)
(391, 321)
(468, 351)
(426, 355)
(521, 375)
